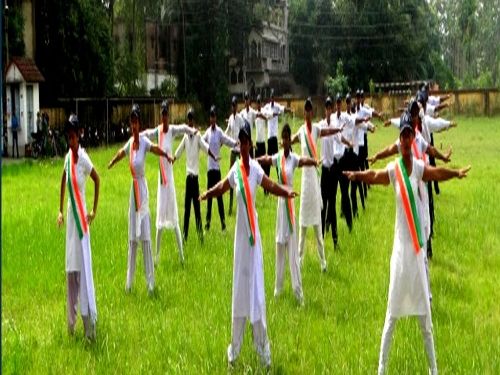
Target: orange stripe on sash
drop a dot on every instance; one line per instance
(248, 201)
(310, 144)
(137, 195)
(410, 219)
(163, 172)
(289, 209)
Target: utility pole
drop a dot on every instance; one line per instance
(184, 43)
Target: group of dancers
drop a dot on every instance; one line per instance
(343, 162)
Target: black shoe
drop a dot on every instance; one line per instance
(207, 227)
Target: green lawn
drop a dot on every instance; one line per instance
(186, 326)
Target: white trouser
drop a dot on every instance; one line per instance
(293, 259)
(148, 264)
(178, 237)
(260, 340)
(425, 327)
(76, 288)
(319, 241)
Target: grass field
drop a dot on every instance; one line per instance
(185, 326)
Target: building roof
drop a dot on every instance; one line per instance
(26, 67)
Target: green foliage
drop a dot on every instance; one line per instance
(186, 326)
(75, 53)
(15, 30)
(339, 84)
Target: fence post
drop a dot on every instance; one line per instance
(486, 103)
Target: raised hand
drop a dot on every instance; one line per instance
(447, 156)
(351, 175)
(203, 196)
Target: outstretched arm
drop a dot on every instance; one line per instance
(371, 176)
(118, 156)
(60, 216)
(432, 151)
(277, 189)
(443, 174)
(295, 138)
(330, 131)
(220, 188)
(305, 161)
(265, 160)
(385, 153)
(97, 182)
(158, 151)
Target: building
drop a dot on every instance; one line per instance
(266, 61)
(22, 80)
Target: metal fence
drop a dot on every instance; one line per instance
(106, 120)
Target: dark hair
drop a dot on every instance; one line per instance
(286, 130)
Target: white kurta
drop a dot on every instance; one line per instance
(310, 192)
(166, 202)
(282, 226)
(139, 228)
(73, 243)
(408, 287)
(423, 193)
(248, 270)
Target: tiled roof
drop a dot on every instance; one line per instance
(28, 69)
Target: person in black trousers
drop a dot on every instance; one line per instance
(215, 138)
(192, 144)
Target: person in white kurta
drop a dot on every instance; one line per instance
(248, 298)
(139, 218)
(167, 216)
(408, 286)
(76, 277)
(310, 191)
(286, 226)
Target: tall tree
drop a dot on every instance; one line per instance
(73, 48)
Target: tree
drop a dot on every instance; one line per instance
(73, 48)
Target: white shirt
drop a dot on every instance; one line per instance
(260, 126)
(215, 139)
(249, 115)
(282, 225)
(430, 109)
(328, 142)
(234, 125)
(192, 144)
(274, 110)
(434, 100)
(74, 253)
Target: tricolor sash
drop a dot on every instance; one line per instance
(78, 210)
(311, 146)
(409, 204)
(289, 201)
(246, 195)
(137, 193)
(163, 172)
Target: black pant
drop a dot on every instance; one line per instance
(432, 161)
(272, 148)
(14, 141)
(431, 206)
(233, 158)
(363, 151)
(329, 196)
(213, 177)
(351, 163)
(192, 194)
(345, 164)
